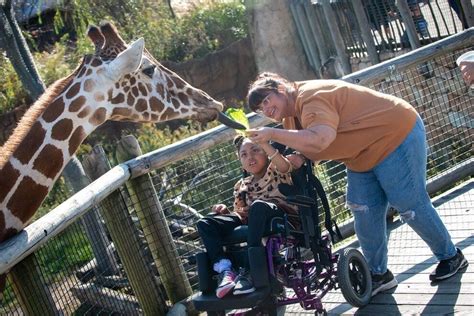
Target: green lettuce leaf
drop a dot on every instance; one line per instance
(238, 115)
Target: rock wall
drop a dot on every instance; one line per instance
(224, 75)
(277, 46)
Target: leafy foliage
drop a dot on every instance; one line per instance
(194, 35)
(203, 30)
(11, 91)
(208, 29)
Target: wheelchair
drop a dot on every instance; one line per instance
(296, 265)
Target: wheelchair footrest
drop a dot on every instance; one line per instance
(210, 302)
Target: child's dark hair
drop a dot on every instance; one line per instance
(264, 84)
(238, 140)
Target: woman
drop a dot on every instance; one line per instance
(381, 140)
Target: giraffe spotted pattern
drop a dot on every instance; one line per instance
(118, 82)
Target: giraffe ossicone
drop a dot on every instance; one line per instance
(118, 82)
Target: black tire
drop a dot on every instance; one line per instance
(354, 277)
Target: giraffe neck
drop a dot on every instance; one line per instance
(37, 161)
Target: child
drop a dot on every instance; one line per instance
(257, 201)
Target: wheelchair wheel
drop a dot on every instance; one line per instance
(354, 277)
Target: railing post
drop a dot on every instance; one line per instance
(154, 225)
(106, 263)
(405, 12)
(302, 24)
(30, 288)
(468, 12)
(318, 37)
(337, 37)
(126, 240)
(365, 31)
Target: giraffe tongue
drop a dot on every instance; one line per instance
(221, 117)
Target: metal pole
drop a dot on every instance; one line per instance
(365, 31)
(337, 37)
(468, 12)
(409, 24)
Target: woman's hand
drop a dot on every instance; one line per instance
(467, 70)
(260, 135)
(220, 209)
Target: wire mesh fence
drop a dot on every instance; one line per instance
(73, 276)
(444, 102)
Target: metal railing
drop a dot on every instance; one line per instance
(373, 30)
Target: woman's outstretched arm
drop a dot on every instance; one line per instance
(311, 140)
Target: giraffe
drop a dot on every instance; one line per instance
(118, 82)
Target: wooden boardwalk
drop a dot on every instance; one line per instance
(411, 262)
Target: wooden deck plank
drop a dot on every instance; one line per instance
(411, 261)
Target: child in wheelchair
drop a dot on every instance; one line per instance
(257, 200)
(295, 264)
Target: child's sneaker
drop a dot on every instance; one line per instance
(449, 267)
(225, 283)
(383, 282)
(243, 283)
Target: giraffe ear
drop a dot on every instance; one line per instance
(127, 61)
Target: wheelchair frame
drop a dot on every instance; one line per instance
(285, 268)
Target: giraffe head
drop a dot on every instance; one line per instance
(117, 82)
(127, 84)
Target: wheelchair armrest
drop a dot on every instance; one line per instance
(301, 200)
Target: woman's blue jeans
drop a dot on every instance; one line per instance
(399, 180)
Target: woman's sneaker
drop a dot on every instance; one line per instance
(449, 267)
(225, 283)
(243, 283)
(383, 282)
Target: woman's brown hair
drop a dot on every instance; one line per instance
(264, 84)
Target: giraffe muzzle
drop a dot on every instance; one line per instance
(224, 119)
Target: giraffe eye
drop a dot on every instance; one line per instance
(149, 71)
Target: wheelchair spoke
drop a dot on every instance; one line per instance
(356, 276)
